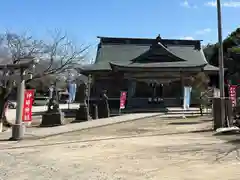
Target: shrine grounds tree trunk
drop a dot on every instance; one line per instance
(4, 96)
(55, 57)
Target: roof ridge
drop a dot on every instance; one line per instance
(142, 38)
(148, 41)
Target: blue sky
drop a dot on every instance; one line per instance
(83, 20)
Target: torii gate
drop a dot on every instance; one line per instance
(17, 128)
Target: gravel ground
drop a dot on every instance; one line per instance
(151, 148)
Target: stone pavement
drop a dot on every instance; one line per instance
(43, 132)
(36, 133)
(150, 148)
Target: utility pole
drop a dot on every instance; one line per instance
(221, 64)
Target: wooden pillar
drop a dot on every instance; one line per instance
(130, 91)
(182, 88)
(119, 80)
(163, 90)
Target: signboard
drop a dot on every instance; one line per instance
(123, 98)
(232, 94)
(27, 105)
(187, 97)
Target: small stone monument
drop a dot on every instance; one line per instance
(103, 106)
(82, 113)
(94, 110)
(53, 116)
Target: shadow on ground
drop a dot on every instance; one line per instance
(227, 133)
(3, 140)
(185, 123)
(138, 133)
(202, 131)
(207, 120)
(234, 142)
(234, 149)
(86, 140)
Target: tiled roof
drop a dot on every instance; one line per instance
(125, 51)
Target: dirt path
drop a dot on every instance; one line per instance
(152, 148)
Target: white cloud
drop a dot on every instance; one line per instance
(203, 31)
(230, 3)
(187, 38)
(186, 4)
(211, 3)
(200, 32)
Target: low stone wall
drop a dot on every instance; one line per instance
(11, 113)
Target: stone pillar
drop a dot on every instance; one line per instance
(83, 111)
(217, 112)
(94, 111)
(18, 127)
(131, 91)
(229, 112)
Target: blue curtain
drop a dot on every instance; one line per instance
(72, 88)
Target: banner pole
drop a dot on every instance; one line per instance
(119, 112)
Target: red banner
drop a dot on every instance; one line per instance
(27, 105)
(232, 94)
(123, 98)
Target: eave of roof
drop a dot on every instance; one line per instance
(156, 67)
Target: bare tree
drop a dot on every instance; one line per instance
(59, 55)
(56, 56)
